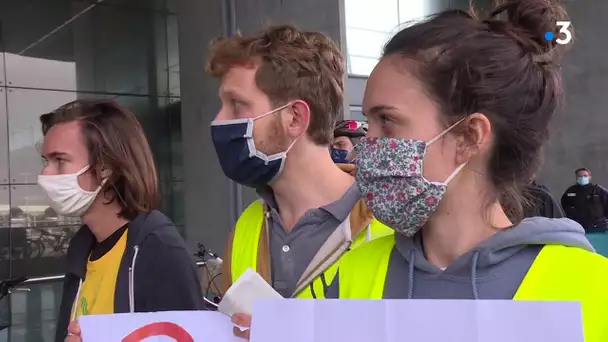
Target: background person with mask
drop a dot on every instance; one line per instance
(127, 257)
(346, 135)
(447, 174)
(281, 91)
(587, 204)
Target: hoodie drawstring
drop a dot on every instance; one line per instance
(474, 274)
(75, 304)
(410, 290)
(132, 281)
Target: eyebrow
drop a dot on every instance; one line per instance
(55, 154)
(377, 109)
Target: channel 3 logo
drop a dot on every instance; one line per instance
(564, 35)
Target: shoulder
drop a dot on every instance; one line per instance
(371, 250)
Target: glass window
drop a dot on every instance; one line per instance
(4, 169)
(361, 65)
(24, 108)
(365, 43)
(370, 24)
(72, 45)
(377, 15)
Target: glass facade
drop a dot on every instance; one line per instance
(53, 52)
(370, 24)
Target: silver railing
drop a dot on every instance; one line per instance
(53, 278)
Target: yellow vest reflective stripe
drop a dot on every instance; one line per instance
(558, 273)
(246, 243)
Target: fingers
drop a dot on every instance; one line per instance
(73, 338)
(237, 332)
(243, 320)
(73, 332)
(74, 328)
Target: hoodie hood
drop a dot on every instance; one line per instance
(514, 247)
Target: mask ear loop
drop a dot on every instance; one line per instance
(296, 140)
(439, 136)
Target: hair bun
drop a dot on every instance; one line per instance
(528, 21)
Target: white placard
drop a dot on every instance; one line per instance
(416, 321)
(169, 326)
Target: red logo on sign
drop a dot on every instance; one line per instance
(168, 329)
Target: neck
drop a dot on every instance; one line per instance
(458, 226)
(305, 185)
(103, 220)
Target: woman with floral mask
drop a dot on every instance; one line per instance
(458, 110)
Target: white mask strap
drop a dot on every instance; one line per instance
(440, 135)
(458, 169)
(273, 111)
(83, 170)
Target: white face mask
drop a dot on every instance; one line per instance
(66, 195)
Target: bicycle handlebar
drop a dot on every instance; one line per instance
(7, 285)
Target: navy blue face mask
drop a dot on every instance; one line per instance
(339, 156)
(240, 161)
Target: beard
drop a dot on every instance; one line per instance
(272, 139)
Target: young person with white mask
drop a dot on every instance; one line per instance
(127, 256)
(459, 110)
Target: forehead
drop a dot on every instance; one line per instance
(64, 138)
(341, 139)
(583, 172)
(239, 80)
(390, 84)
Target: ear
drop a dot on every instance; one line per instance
(300, 120)
(105, 173)
(476, 137)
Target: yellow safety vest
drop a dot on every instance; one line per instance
(559, 273)
(246, 243)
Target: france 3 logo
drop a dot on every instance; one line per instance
(564, 35)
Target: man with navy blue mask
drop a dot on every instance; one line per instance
(281, 92)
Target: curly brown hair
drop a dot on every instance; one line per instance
(292, 64)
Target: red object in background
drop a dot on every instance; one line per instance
(168, 329)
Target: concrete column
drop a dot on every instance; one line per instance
(206, 202)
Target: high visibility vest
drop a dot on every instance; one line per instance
(247, 238)
(558, 273)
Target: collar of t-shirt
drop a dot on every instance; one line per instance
(100, 249)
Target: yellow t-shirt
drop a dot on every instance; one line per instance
(97, 291)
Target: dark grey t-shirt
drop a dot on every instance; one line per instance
(292, 251)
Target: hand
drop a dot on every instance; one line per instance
(240, 319)
(73, 332)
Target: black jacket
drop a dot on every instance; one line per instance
(587, 205)
(165, 276)
(541, 202)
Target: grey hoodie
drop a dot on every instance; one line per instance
(492, 270)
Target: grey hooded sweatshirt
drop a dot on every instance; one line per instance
(492, 270)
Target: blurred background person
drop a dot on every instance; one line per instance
(587, 204)
(540, 202)
(346, 135)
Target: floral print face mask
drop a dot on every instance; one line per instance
(389, 175)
